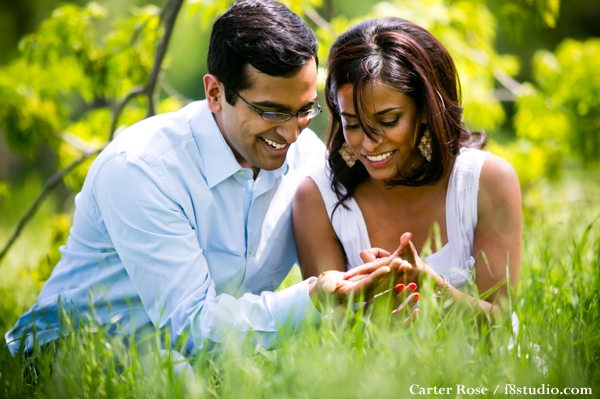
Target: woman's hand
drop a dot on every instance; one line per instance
(411, 267)
(409, 254)
(395, 305)
(371, 254)
(381, 277)
(407, 310)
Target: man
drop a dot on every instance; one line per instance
(184, 221)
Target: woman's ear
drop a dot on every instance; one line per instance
(215, 92)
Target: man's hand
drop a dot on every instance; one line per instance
(341, 288)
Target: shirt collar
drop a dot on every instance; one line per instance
(218, 160)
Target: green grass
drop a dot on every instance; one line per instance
(558, 344)
(23, 267)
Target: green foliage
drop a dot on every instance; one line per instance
(514, 13)
(467, 29)
(70, 74)
(300, 6)
(77, 66)
(82, 134)
(67, 69)
(55, 62)
(207, 9)
(4, 191)
(61, 224)
(558, 116)
(532, 163)
(29, 117)
(68, 37)
(22, 277)
(562, 109)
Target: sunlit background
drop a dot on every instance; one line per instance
(529, 73)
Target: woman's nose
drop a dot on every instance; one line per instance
(371, 145)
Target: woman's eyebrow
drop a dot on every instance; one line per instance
(387, 110)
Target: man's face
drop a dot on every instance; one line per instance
(254, 141)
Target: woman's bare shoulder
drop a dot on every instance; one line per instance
(317, 244)
(498, 185)
(307, 191)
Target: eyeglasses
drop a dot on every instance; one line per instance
(271, 116)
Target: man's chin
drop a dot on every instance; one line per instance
(272, 163)
(272, 166)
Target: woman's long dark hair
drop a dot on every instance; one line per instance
(408, 58)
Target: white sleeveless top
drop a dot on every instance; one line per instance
(454, 261)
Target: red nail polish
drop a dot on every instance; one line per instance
(411, 286)
(399, 287)
(416, 296)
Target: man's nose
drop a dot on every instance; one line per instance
(290, 129)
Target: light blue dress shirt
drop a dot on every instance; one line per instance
(171, 232)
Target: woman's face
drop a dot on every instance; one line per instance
(396, 119)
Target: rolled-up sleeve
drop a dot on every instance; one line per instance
(158, 246)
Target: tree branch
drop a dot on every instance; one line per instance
(513, 87)
(120, 107)
(169, 12)
(317, 18)
(76, 142)
(171, 92)
(50, 185)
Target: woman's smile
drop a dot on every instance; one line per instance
(394, 119)
(379, 160)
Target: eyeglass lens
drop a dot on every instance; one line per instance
(282, 117)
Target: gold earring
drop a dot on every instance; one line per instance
(347, 155)
(425, 145)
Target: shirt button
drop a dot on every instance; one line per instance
(250, 250)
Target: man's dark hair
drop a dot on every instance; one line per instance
(262, 33)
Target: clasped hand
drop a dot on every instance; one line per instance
(409, 265)
(381, 273)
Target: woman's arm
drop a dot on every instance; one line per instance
(321, 254)
(319, 248)
(497, 242)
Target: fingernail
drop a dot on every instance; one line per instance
(411, 286)
(399, 287)
(416, 296)
(410, 236)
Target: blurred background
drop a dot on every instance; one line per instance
(528, 68)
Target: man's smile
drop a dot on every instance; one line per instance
(273, 144)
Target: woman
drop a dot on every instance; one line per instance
(400, 160)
